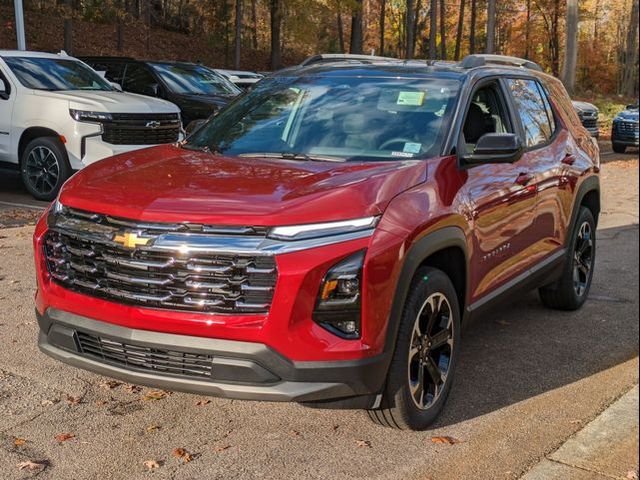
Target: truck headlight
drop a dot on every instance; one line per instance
(338, 307)
(90, 117)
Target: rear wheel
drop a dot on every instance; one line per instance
(619, 148)
(425, 357)
(571, 290)
(45, 167)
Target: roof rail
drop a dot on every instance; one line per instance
(480, 60)
(345, 57)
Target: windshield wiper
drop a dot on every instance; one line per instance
(300, 156)
(204, 148)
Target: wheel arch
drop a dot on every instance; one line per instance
(445, 249)
(588, 196)
(32, 133)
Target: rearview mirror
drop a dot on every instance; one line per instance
(495, 148)
(193, 126)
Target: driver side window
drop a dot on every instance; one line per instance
(486, 114)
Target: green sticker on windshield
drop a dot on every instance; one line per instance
(412, 99)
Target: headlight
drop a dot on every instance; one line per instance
(339, 298)
(90, 117)
(315, 230)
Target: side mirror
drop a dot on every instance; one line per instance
(152, 90)
(116, 85)
(4, 94)
(495, 148)
(193, 126)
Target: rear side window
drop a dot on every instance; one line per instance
(534, 110)
(138, 79)
(114, 72)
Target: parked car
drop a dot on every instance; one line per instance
(197, 90)
(241, 79)
(624, 131)
(57, 115)
(588, 114)
(325, 238)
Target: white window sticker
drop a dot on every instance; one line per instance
(412, 99)
(402, 154)
(412, 147)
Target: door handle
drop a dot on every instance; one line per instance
(524, 178)
(569, 159)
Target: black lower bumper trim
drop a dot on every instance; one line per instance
(232, 369)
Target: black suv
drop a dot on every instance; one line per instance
(197, 90)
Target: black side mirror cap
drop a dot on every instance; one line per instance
(495, 148)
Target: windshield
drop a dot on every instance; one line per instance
(194, 80)
(341, 118)
(56, 74)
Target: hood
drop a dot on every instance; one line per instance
(584, 106)
(111, 102)
(171, 184)
(205, 100)
(630, 114)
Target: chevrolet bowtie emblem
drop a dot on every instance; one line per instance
(130, 240)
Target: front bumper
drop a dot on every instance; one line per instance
(224, 368)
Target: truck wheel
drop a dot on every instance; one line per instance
(45, 167)
(427, 348)
(571, 290)
(618, 148)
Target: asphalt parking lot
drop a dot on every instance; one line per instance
(529, 378)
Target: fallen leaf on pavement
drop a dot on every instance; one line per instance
(294, 433)
(632, 475)
(47, 403)
(201, 403)
(110, 384)
(153, 428)
(222, 448)
(133, 388)
(101, 403)
(18, 442)
(29, 465)
(182, 454)
(71, 400)
(445, 440)
(63, 437)
(155, 395)
(151, 464)
(364, 443)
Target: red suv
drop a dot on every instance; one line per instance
(325, 238)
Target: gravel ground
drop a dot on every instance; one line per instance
(529, 378)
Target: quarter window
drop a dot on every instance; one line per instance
(534, 110)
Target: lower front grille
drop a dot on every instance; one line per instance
(136, 357)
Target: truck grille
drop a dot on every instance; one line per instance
(93, 264)
(139, 357)
(628, 127)
(141, 129)
(589, 122)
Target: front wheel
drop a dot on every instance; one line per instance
(424, 361)
(619, 148)
(45, 167)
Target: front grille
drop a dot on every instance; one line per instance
(137, 357)
(82, 256)
(590, 122)
(628, 127)
(141, 129)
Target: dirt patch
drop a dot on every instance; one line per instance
(18, 217)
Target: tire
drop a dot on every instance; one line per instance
(618, 148)
(44, 167)
(572, 289)
(402, 407)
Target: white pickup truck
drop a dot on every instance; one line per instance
(57, 115)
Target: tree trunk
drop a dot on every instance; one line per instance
(68, 27)
(456, 55)
(554, 40)
(571, 47)
(527, 32)
(383, 13)
(596, 18)
(254, 22)
(416, 24)
(630, 71)
(355, 45)
(276, 23)
(443, 30)
(340, 30)
(491, 27)
(238, 35)
(409, 25)
(433, 29)
(472, 28)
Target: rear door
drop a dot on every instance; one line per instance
(548, 152)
